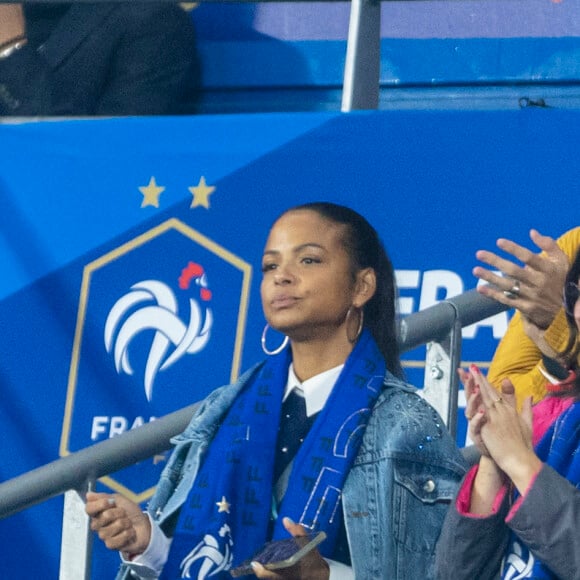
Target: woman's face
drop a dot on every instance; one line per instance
(308, 283)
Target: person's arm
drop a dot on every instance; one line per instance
(471, 547)
(150, 563)
(518, 358)
(548, 521)
(489, 486)
(476, 538)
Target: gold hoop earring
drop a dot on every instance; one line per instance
(360, 324)
(276, 350)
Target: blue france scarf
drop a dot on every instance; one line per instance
(225, 517)
(558, 448)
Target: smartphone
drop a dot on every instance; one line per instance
(280, 553)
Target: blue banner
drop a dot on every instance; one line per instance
(131, 249)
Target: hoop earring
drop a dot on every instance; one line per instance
(360, 324)
(275, 351)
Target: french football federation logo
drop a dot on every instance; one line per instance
(214, 559)
(152, 305)
(150, 326)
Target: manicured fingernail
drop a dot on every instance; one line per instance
(288, 520)
(475, 369)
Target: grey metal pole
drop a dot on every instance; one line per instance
(75, 470)
(360, 88)
(435, 322)
(439, 327)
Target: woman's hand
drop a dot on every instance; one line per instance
(539, 281)
(507, 434)
(119, 522)
(312, 567)
(475, 407)
(474, 410)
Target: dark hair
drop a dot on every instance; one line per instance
(367, 251)
(572, 350)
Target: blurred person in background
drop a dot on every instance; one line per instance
(85, 59)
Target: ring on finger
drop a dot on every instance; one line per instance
(514, 291)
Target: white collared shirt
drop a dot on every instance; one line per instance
(315, 390)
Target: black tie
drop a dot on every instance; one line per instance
(294, 426)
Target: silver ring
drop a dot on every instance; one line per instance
(514, 291)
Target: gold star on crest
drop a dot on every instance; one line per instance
(223, 505)
(201, 193)
(151, 193)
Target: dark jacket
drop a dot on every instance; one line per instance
(104, 59)
(547, 521)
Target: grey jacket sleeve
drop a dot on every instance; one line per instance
(548, 522)
(471, 547)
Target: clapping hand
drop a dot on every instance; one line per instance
(499, 430)
(475, 409)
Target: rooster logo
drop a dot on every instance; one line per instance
(134, 313)
(208, 557)
(519, 563)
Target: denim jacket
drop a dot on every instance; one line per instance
(396, 494)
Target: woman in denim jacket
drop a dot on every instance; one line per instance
(373, 465)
